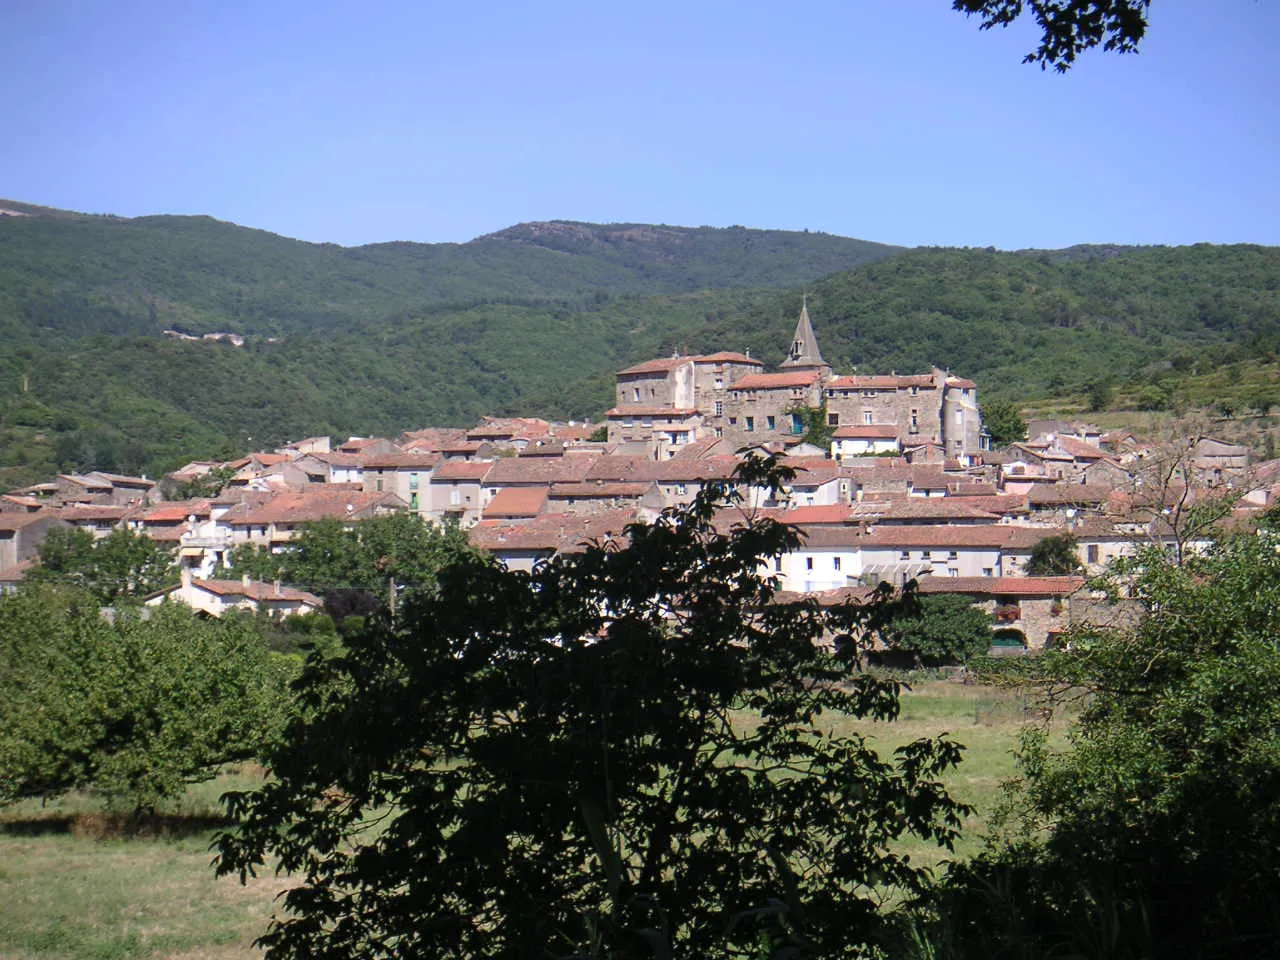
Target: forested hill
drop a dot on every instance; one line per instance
(535, 320)
(80, 275)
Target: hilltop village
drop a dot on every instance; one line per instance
(895, 480)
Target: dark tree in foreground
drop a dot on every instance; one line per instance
(1068, 27)
(123, 566)
(627, 753)
(1154, 833)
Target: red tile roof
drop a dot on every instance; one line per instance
(561, 532)
(776, 381)
(462, 470)
(651, 411)
(399, 460)
(316, 503)
(727, 356)
(1004, 586)
(257, 591)
(538, 470)
(892, 382)
(598, 490)
(513, 502)
(661, 365)
(989, 535)
(873, 431)
(175, 511)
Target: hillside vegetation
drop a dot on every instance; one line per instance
(534, 319)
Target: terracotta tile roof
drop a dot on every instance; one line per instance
(90, 512)
(727, 356)
(430, 438)
(88, 481)
(317, 503)
(462, 446)
(829, 598)
(175, 511)
(922, 508)
(257, 591)
(355, 444)
(562, 532)
(1073, 493)
(824, 514)
(990, 535)
(498, 428)
(172, 534)
(651, 411)
(398, 460)
(962, 383)
(642, 469)
(598, 490)
(892, 382)
(661, 365)
(27, 503)
(462, 470)
(16, 521)
(513, 502)
(1080, 449)
(121, 480)
(1003, 586)
(537, 470)
(776, 381)
(17, 572)
(336, 459)
(873, 431)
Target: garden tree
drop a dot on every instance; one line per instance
(122, 566)
(1068, 27)
(1004, 422)
(939, 628)
(132, 710)
(627, 753)
(1154, 832)
(817, 427)
(332, 558)
(1054, 556)
(208, 484)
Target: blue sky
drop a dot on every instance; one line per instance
(890, 120)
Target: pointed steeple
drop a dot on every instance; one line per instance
(804, 353)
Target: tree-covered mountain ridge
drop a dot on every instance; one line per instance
(535, 320)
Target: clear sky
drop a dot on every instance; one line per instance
(890, 120)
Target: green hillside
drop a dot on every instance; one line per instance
(536, 318)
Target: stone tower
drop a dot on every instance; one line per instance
(804, 353)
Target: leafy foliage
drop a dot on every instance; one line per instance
(940, 628)
(1068, 27)
(1004, 422)
(133, 710)
(122, 566)
(1161, 821)
(617, 755)
(817, 430)
(1054, 556)
(332, 559)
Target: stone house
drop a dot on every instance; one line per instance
(1029, 613)
(456, 490)
(22, 533)
(407, 475)
(857, 440)
(217, 598)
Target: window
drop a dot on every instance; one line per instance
(959, 418)
(952, 572)
(772, 422)
(751, 424)
(777, 563)
(906, 554)
(808, 563)
(952, 555)
(1091, 552)
(733, 421)
(719, 408)
(915, 420)
(681, 489)
(413, 481)
(833, 419)
(635, 394)
(719, 383)
(987, 572)
(835, 562)
(797, 423)
(915, 390)
(719, 432)
(378, 483)
(646, 421)
(413, 501)
(868, 417)
(868, 393)
(627, 422)
(455, 495)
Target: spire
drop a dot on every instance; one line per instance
(804, 345)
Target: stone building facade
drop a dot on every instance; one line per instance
(662, 405)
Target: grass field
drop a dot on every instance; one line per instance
(72, 887)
